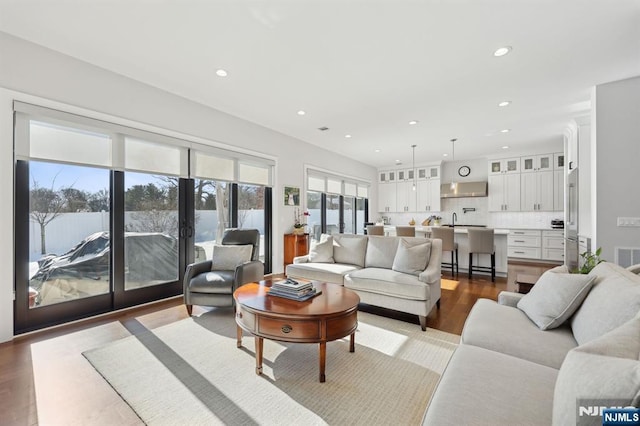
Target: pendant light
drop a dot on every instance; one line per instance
(453, 157)
(413, 165)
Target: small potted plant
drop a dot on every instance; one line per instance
(300, 221)
(589, 261)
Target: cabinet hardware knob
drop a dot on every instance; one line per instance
(286, 329)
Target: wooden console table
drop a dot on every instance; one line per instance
(295, 245)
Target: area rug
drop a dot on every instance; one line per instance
(191, 372)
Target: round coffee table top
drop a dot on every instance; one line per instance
(334, 299)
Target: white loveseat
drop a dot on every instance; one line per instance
(507, 371)
(400, 273)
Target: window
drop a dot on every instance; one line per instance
(336, 204)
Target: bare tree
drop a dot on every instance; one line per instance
(46, 204)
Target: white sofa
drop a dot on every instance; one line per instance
(507, 371)
(400, 273)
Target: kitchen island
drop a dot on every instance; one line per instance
(461, 237)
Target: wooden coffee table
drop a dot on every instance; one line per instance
(329, 316)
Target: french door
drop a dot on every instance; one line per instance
(91, 240)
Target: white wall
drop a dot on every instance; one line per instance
(32, 73)
(615, 179)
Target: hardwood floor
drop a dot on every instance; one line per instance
(44, 379)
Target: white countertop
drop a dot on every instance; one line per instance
(456, 229)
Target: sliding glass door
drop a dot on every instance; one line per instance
(107, 216)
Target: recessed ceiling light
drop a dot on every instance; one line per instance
(445, 155)
(397, 161)
(347, 136)
(502, 51)
(504, 103)
(301, 112)
(377, 150)
(505, 130)
(221, 73)
(505, 147)
(412, 122)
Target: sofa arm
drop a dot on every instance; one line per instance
(635, 269)
(193, 270)
(301, 259)
(431, 274)
(249, 272)
(509, 298)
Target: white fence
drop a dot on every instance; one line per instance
(68, 229)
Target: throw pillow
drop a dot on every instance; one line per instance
(349, 249)
(322, 251)
(227, 258)
(602, 372)
(411, 258)
(554, 298)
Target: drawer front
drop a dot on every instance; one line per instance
(287, 329)
(553, 243)
(246, 319)
(553, 254)
(523, 241)
(524, 252)
(553, 234)
(524, 233)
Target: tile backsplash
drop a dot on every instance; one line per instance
(480, 216)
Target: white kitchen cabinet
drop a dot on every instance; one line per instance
(504, 192)
(428, 172)
(553, 245)
(387, 176)
(558, 161)
(504, 166)
(428, 195)
(525, 244)
(386, 197)
(537, 191)
(405, 175)
(405, 197)
(536, 163)
(558, 190)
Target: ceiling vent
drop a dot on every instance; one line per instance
(323, 129)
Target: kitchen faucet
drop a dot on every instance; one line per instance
(454, 217)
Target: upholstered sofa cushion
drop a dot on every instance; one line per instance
(554, 298)
(483, 387)
(508, 330)
(388, 282)
(349, 249)
(412, 257)
(605, 370)
(327, 272)
(613, 300)
(322, 251)
(228, 257)
(381, 251)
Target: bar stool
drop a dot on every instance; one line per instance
(481, 242)
(448, 244)
(405, 231)
(375, 230)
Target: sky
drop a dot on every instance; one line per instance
(90, 179)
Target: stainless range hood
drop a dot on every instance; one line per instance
(464, 189)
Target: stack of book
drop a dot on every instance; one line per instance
(294, 290)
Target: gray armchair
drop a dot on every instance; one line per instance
(205, 287)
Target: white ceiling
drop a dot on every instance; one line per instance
(360, 67)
